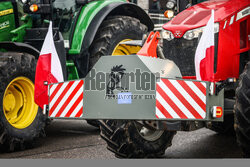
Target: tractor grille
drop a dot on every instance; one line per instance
(182, 52)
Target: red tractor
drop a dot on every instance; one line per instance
(232, 29)
(231, 74)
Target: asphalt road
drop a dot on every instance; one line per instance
(77, 139)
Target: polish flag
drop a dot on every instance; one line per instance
(204, 56)
(48, 69)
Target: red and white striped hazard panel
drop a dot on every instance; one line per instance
(66, 99)
(179, 99)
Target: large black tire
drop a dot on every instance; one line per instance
(124, 139)
(226, 127)
(13, 65)
(111, 32)
(94, 123)
(242, 112)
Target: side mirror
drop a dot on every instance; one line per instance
(81, 2)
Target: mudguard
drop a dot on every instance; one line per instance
(20, 47)
(94, 13)
(26, 48)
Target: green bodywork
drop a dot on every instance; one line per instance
(72, 71)
(8, 30)
(87, 14)
(19, 33)
(7, 21)
(79, 23)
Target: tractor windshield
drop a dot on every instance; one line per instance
(64, 12)
(64, 4)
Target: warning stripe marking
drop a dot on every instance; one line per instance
(66, 99)
(179, 99)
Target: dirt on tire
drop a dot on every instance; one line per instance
(12, 65)
(242, 112)
(124, 140)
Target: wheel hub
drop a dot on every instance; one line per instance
(148, 134)
(18, 103)
(9, 102)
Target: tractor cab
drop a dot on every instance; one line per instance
(61, 12)
(181, 36)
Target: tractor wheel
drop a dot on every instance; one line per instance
(242, 112)
(129, 139)
(226, 127)
(21, 121)
(112, 32)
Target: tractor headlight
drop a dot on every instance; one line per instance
(168, 35)
(195, 33)
(170, 4)
(169, 14)
(191, 34)
(34, 8)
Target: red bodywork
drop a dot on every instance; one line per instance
(150, 46)
(234, 31)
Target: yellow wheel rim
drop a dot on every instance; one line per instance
(18, 103)
(122, 49)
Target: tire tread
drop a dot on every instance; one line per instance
(242, 112)
(12, 65)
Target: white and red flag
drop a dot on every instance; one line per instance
(204, 56)
(48, 69)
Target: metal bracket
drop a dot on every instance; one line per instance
(223, 84)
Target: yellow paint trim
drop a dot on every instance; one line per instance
(6, 12)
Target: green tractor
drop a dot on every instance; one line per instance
(83, 32)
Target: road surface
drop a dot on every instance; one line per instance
(76, 139)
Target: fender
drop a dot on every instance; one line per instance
(20, 47)
(26, 48)
(94, 13)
